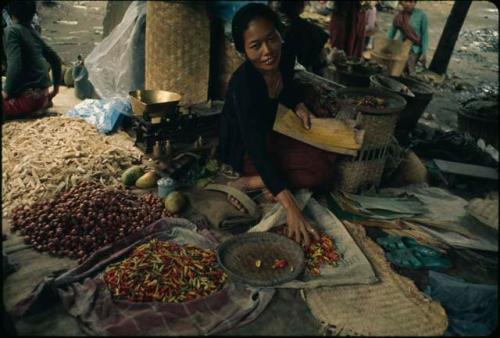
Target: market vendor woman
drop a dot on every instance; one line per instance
(265, 159)
(26, 90)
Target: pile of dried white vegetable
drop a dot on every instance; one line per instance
(43, 157)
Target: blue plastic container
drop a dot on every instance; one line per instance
(165, 186)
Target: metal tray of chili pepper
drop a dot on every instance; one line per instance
(261, 259)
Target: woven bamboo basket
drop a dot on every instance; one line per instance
(378, 129)
(487, 129)
(238, 256)
(178, 49)
(363, 171)
(230, 60)
(392, 54)
(379, 123)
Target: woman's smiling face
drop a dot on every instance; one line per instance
(262, 45)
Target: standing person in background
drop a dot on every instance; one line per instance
(26, 90)
(347, 28)
(412, 25)
(371, 24)
(305, 39)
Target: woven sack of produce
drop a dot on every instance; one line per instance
(178, 48)
(411, 170)
(162, 280)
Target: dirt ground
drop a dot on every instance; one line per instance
(477, 69)
(72, 27)
(75, 27)
(482, 14)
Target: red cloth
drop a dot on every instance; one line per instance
(347, 29)
(402, 21)
(303, 166)
(26, 104)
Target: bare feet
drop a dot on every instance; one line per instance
(268, 196)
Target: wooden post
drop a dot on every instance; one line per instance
(449, 37)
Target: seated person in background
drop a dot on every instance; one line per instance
(266, 159)
(26, 90)
(305, 39)
(412, 25)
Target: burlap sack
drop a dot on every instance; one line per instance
(392, 307)
(212, 202)
(352, 268)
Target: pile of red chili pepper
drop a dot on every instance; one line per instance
(280, 263)
(166, 272)
(319, 252)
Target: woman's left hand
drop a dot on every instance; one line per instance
(304, 114)
(4, 95)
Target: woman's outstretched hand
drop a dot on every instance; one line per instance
(304, 114)
(298, 228)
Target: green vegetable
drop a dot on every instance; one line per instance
(203, 182)
(130, 176)
(212, 166)
(175, 201)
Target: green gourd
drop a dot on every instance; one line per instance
(146, 181)
(175, 201)
(130, 176)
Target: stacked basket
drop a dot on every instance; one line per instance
(366, 169)
(393, 54)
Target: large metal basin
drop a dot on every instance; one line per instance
(152, 103)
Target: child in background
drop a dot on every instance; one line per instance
(412, 24)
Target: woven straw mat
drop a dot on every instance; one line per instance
(393, 307)
(229, 63)
(178, 49)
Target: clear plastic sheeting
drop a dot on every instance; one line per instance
(116, 65)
